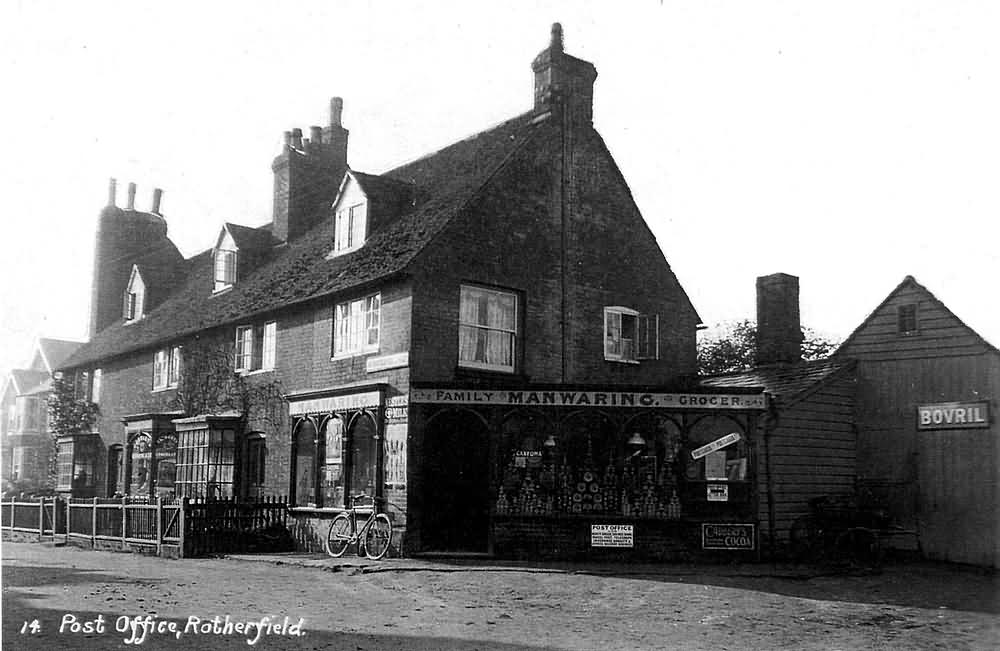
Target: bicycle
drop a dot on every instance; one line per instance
(373, 538)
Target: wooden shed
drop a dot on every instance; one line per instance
(808, 439)
(928, 439)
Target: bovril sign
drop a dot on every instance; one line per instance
(953, 415)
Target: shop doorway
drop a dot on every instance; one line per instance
(456, 497)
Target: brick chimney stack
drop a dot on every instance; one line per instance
(779, 331)
(123, 237)
(307, 176)
(562, 80)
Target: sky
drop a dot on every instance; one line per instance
(847, 143)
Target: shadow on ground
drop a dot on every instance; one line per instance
(18, 611)
(917, 584)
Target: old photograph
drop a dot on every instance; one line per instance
(536, 325)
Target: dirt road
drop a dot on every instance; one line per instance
(427, 606)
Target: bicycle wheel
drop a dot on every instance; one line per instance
(804, 539)
(378, 537)
(859, 546)
(339, 536)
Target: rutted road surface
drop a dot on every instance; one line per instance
(419, 605)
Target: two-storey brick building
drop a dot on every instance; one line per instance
(489, 337)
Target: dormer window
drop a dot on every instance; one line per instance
(350, 213)
(351, 221)
(224, 263)
(135, 297)
(225, 269)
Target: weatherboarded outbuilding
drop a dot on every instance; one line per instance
(808, 438)
(928, 439)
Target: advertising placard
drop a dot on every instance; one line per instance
(953, 415)
(612, 535)
(717, 444)
(717, 493)
(728, 535)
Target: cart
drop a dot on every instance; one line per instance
(841, 532)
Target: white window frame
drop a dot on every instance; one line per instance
(473, 364)
(95, 386)
(167, 368)
(255, 348)
(270, 346)
(243, 360)
(229, 258)
(640, 350)
(351, 228)
(354, 322)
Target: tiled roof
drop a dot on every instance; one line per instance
(25, 380)
(248, 237)
(387, 188)
(786, 382)
(446, 181)
(57, 350)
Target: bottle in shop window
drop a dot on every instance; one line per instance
(674, 508)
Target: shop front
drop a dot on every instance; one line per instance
(587, 473)
(345, 441)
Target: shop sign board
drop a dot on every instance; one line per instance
(334, 403)
(717, 492)
(603, 399)
(612, 535)
(953, 415)
(717, 444)
(728, 535)
(396, 408)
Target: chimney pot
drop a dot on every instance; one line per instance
(316, 136)
(336, 111)
(112, 192)
(288, 138)
(297, 138)
(157, 195)
(557, 37)
(131, 197)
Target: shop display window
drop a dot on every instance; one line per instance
(363, 455)
(305, 466)
(333, 466)
(586, 465)
(204, 466)
(341, 461)
(152, 464)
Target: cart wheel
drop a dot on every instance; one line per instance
(859, 546)
(805, 539)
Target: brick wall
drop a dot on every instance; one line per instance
(511, 237)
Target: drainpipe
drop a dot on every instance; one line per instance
(770, 424)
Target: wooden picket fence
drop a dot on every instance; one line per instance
(184, 527)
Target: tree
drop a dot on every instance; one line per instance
(735, 348)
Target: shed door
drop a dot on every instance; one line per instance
(958, 496)
(456, 476)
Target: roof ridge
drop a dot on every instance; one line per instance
(471, 136)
